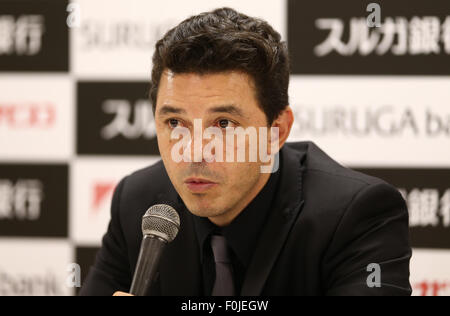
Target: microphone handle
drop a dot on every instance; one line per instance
(147, 265)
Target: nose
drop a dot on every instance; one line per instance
(198, 142)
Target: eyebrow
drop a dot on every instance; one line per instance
(229, 109)
(167, 109)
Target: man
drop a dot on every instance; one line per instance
(311, 227)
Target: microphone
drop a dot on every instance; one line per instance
(160, 226)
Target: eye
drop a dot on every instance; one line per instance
(224, 123)
(173, 123)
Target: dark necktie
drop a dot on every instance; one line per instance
(224, 283)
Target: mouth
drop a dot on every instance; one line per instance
(198, 185)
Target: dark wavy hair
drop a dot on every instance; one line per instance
(226, 40)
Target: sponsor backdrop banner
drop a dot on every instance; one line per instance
(371, 89)
(329, 37)
(33, 36)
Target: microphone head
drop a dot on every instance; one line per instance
(161, 220)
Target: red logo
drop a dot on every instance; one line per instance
(102, 191)
(28, 115)
(432, 288)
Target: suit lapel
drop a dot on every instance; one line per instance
(287, 206)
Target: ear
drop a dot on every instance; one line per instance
(284, 124)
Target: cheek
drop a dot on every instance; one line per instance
(165, 143)
(240, 176)
(165, 151)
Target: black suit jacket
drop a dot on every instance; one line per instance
(328, 224)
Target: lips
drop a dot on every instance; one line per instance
(198, 180)
(198, 185)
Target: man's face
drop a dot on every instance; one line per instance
(220, 100)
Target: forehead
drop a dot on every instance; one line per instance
(190, 89)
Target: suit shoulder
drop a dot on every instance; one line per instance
(147, 180)
(330, 190)
(321, 164)
(148, 175)
(347, 176)
(145, 187)
(330, 187)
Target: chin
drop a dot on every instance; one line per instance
(202, 211)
